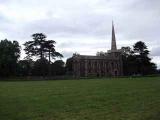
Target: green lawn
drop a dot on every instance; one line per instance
(97, 99)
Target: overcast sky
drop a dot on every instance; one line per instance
(83, 26)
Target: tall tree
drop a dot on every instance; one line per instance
(137, 61)
(42, 48)
(50, 51)
(128, 61)
(144, 64)
(140, 49)
(35, 47)
(9, 55)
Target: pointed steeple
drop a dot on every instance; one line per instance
(113, 45)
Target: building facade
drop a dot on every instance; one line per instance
(108, 65)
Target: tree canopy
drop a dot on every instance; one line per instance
(41, 47)
(137, 60)
(9, 55)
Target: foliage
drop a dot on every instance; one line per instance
(76, 54)
(101, 53)
(36, 46)
(25, 67)
(50, 50)
(69, 66)
(137, 61)
(58, 68)
(40, 47)
(40, 67)
(9, 55)
(140, 48)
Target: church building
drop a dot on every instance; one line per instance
(109, 64)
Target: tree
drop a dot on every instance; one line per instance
(69, 66)
(9, 55)
(25, 67)
(137, 61)
(50, 51)
(40, 67)
(101, 53)
(158, 71)
(75, 54)
(140, 49)
(126, 51)
(58, 68)
(128, 61)
(36, 46)
(144, 64)
(42, 48)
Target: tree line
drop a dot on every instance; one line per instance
(40, 53)
(41, 60)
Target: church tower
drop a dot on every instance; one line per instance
(113, 44)
(98, 66)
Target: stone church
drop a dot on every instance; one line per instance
(109, 64)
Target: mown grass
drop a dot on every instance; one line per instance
(96, 99)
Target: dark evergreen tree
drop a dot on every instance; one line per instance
(35, 47)
(42, 48)
(51, 52)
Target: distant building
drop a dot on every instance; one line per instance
(108, 65)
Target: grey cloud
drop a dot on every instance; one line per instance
(82, 27)
(67, 54)
(77, 44)
(155, 51)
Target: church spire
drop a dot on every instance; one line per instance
(113, 45)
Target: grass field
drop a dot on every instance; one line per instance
(97, 99)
